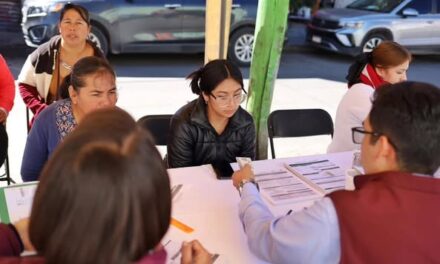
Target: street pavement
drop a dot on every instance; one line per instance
(148, 96)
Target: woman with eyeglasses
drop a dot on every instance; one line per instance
(386, 64)
(46, 67)
(212, 129)
(91, 86)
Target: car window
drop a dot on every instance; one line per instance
(422, 6)
(382, 6)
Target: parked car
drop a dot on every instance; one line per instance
(139, 26)
(362, 25)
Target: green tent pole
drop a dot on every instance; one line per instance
(268, 44)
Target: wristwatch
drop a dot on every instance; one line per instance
(243, 182)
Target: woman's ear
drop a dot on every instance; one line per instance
(205, 97)
(73, 94)
(380, 71)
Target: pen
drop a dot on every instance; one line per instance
(307, 163)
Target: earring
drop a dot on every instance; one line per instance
(206, 102)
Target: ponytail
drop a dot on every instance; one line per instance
(195, 81)
(357, 67)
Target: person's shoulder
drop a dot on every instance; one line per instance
(48, 113)
(46, 46)
(361, 88)
(22, 260)
(244, 116)
(96, 50)
(185, 111)
(157, 257)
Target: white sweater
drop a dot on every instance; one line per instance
(352, 111)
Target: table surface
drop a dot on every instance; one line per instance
(210, 207)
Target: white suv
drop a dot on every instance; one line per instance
(362, 25)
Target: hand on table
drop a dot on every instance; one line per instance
(245, 173)
(194, 253)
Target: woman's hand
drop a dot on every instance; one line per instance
(194, 253)
(22, 227)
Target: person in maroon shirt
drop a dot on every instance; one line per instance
(7, 94)
(103, 197)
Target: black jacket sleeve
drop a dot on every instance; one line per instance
(249, 142)
(180, 148)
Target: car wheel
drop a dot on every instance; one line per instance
(372, 41)
(240, 46)
(97, 37)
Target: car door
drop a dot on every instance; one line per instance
(143, 22)
(193, 26)
(414, 31)
(194, 18)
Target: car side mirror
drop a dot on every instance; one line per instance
(410, 12)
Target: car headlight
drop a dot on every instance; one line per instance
(36, 11)
(352, 24)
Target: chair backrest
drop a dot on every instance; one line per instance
(158, 125)
(298, 123)
(4, 160)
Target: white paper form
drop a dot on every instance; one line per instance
(281, 187)
(323, 175)
(19, 201)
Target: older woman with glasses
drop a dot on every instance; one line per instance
(213, 129)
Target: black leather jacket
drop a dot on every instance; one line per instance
(193, 141)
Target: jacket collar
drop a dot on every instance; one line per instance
(199, 116)
(413, 181)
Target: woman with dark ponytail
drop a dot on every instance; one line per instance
(212, 129)
(91, 85)
(387, 63)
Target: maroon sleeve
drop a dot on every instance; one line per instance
(7, 86)
(31, 98)
(10, 243)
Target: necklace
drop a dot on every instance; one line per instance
(69, 67)
(66, 66)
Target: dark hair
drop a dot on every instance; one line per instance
(207, 78)
(408, 113)
(82, 11)
(386, 55)
(82, 68)
(101, 199)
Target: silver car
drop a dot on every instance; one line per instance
(362, 25)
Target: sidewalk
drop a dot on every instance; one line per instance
(142, 96)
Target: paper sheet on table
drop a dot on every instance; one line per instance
(16, 201)
(281, 187)
(322, 175)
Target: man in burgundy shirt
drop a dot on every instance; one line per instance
(392, 215)
(7, 94)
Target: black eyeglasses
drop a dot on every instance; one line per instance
(358, 134)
